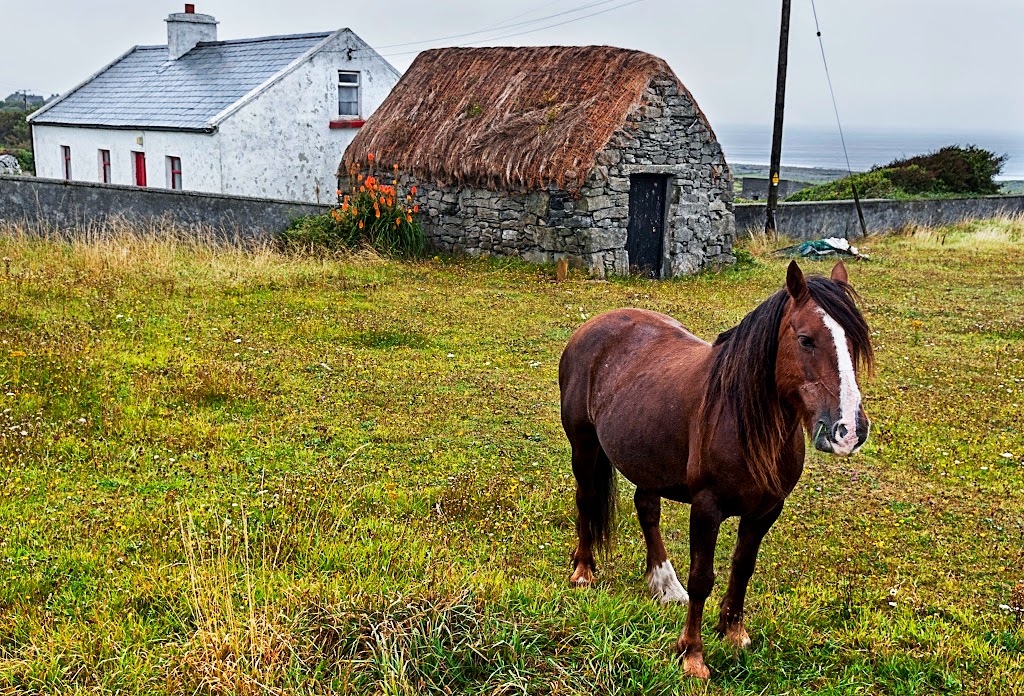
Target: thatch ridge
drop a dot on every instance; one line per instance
(520, 118)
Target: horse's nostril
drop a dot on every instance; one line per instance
(839, 432)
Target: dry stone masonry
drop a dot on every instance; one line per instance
(666, 135)
(601, 158)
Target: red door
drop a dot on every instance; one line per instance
(140, 168)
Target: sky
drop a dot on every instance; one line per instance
(942, 65)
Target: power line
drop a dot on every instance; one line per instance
(523, 14)
(568, 21)
(501, 26)
(533, 31)
(831, 91)
(839, 123)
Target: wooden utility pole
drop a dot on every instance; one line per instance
(780, 105)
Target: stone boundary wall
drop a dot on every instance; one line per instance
(55, 203)
(665, 136)
(814, 220)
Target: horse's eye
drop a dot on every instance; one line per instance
(806, 342)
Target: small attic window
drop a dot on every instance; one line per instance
(348, 94)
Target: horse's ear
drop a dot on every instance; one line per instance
(795, 283)
(839, 273)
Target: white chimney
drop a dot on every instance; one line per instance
(186, 29)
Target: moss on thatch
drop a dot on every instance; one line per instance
(507, 118)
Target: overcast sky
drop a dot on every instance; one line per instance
(943, 65)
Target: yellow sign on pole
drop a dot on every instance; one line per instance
(775, 179)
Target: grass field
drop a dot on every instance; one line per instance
(236, 471)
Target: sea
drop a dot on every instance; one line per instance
(822, 148)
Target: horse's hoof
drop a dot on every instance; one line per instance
(664, 585)
(583, 577)
(737, 637)
(694, 667)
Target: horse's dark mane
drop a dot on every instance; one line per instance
(743, 373)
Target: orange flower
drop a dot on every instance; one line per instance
(408, 197)
(413, 190)
(344, 206)
(416, 208)
(360, 178)
(408, 218)
(339, 192)
(370, 157)
(360, 224)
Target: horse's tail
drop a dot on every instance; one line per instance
(602, 519)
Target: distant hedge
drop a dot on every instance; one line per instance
(16, 139)
(950, 171)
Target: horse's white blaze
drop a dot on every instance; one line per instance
(665, 585)
(849, 393)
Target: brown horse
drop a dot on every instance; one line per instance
(717, 426)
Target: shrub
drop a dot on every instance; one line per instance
(912, 179)
(948, 171)
(25, 161)
(373, 213)
(319, 232)
(873, 184)
(14, 131)
(956, 169)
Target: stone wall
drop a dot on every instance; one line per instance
(815, 220)
(55, 203)
(667, 135)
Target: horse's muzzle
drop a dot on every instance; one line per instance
(829, 435)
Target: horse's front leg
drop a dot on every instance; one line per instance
(744, 558)
(705, 519)
(660, 575)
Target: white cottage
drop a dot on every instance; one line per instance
(267, 117)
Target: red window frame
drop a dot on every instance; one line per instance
(140, 168)
(65, 153)
(105, 166)
(174, 169)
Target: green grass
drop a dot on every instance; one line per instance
(236, 471)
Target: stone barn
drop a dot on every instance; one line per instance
(595, 154)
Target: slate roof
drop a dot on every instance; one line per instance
(143, 89)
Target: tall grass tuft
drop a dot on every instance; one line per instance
(241, 644)
(157, 252)
(992, 233)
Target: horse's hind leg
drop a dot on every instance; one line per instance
(591, 511)
(661, 576)
(748, 541)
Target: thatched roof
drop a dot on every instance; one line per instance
(517, 118)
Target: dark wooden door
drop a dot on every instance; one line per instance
(646, 231)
